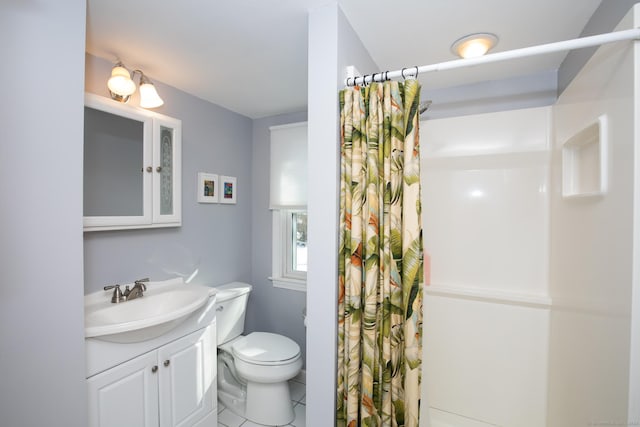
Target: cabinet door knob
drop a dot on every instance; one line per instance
(159, 169)
(149, 169)
(166, 363)
(154, 368)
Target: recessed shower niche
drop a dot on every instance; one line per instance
(584, 161)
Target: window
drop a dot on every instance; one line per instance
(289, 249)
(288, 200)
(299, 239)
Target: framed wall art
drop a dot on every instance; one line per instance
(207, 188)
(228, 189)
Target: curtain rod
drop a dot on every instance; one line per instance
(579, 43)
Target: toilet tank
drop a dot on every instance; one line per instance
(231, 307)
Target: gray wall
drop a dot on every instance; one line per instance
(603, 20)
(529, 91)
(270, 309)
(41, 295)
(215, 239)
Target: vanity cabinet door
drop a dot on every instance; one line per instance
(171, 386)
(188, 379)
(126, 395)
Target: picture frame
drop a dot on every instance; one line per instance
(228, 189)
(208, 188)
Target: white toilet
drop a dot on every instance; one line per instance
(253, 370)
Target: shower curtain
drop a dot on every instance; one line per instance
(380, 257)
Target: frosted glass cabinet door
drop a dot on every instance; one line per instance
(167, 161)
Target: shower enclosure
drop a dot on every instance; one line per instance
(532, 249)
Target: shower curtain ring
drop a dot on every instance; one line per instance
(402, 74)
(417, 71)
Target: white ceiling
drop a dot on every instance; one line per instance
(223, 51)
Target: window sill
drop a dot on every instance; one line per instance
(291, 284)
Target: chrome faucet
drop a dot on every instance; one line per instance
(136, 292)
(118, 296)
(138, 288)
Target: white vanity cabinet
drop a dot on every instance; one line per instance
(173, 385)
(132, 167)
(126, 395)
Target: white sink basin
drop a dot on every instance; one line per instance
(163, 306)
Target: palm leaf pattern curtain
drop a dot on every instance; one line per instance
(380, 259)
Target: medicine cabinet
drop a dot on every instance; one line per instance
(132, 167)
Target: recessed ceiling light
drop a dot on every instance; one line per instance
(474, 45)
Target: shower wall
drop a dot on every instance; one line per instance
(593, 377)
(532, 314)
(486, 221)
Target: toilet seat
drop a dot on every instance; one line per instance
(264, 348)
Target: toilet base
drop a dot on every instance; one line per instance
(263, 403)
(233, 402)
(269, 404)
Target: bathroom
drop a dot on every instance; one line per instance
(46, 230)
(213, 246)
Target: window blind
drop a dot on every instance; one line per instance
(288, 188)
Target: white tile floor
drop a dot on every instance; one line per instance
(226, 418)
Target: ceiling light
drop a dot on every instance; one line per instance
(474, 45)
(121, 87)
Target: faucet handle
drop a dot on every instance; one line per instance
(117, 293)
(140, 283)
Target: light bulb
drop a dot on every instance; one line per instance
(120, 82)
(149, 97)
(474, 48)
(474, 45)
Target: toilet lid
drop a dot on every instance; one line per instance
(264, 347)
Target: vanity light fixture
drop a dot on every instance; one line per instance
(474, 45)
(121, 86)
(149, 97)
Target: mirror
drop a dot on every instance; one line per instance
(113, 164)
